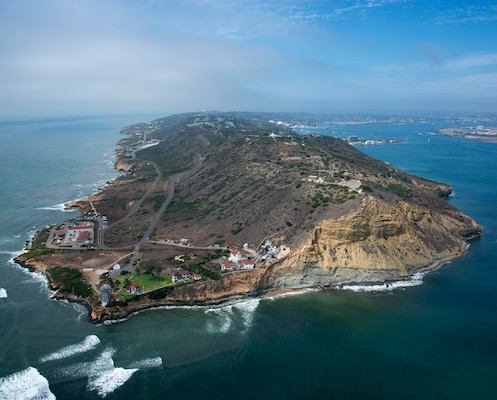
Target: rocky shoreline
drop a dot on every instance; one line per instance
(388, 227)
(98, 314)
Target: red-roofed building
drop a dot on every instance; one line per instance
(237, 256)
(81, 227)
(133, 288)
(84, 236)
(180, 275)
(227, 265)
(248, 264)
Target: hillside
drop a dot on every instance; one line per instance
(244, 180)
(236, 180)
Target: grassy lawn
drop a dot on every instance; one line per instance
(147, 283)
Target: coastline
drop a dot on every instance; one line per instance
(115, 314)
(229, 288)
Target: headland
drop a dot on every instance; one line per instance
(213, 207)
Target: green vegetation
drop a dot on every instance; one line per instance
(70, 280)
(184, 208)
(147, 282)
(158, 201)
(208, 273)
(36, 253)
(399, 189)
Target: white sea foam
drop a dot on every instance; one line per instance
(110, 380)
(3, 293)
(89, 343)
(12, 254)
(147, 363)
(221, 319)
(38, 277)
(56, 207)
(247, 308)
(24, 385)
(31, 234)
(34, 276)
(416, 280)
(102, 376)
(292, 293)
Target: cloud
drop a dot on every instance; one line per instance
(472, 60)
(51, 65)
(482, 85)
(467, 14)
(70, 56)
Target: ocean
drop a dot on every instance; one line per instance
(433, 338)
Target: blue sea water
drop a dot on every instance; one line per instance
(435, 340)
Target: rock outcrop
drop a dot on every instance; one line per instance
(236, 183)
(376, 243)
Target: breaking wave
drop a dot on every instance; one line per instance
(110, 380)
(147, 363)
(28, 384)
(292, 293)
(223, 318)
(247, 309)
(102, 376)
(89, 343)
(56, 207)
(35, 276)
(416, 280)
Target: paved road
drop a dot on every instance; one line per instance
(101, 226)
(136, 248)
(153, 224)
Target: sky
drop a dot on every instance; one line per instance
(90, 57)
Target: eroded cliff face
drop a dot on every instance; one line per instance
(378, 242)
(231, 286)
(123, 164)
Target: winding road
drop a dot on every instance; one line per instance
(136, 248)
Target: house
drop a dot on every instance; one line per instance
(237, 256)
(269, 249)
(197, 277)
(133, 288)
(180, 275)
(247, 264)
(227, 265)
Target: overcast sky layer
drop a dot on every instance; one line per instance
(85, 57)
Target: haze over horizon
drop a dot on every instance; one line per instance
(64, 57)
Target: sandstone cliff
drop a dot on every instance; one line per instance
(236, 182)
(378, 242)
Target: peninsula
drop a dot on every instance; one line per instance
(479, 133)
(218, 206)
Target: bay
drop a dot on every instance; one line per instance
(435, 340)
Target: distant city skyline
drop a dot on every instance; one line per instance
(65, 57)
